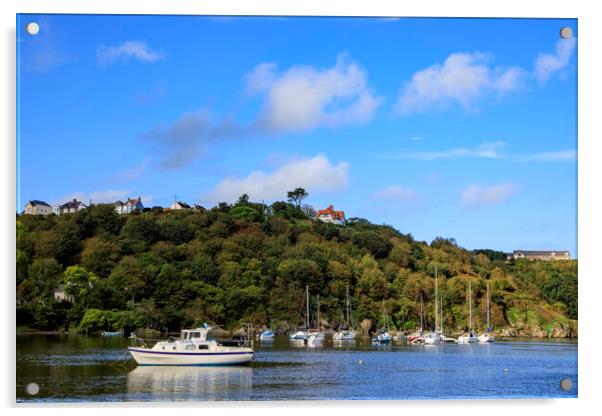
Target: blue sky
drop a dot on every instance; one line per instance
(462, 128)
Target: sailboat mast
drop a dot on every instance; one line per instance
(469, 306)
(441, 306)
(307, 306)
(488, 305)
(348, 322)
(421, 313)
(436, 300)
(318, 312)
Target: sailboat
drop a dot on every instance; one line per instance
(302, 335)
(434, 337)
(315, 337)
(444, 339)
(384, 337)
(417, 337)
(349, 333)
(487, 336)
(468, 337)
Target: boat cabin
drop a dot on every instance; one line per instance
(194, 335)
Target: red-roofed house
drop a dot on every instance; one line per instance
(332, 216)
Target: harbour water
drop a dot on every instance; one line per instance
(98, 369)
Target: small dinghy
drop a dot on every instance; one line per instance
(193, 348)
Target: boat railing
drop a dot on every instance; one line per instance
(136, 341)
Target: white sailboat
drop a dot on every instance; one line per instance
(315, 337)
(193, 348)
(444, 339)
(349, 333)
(418, 336)
(487, 336)
(384, 337)
(302, 335)
(468, 337)
(434, 337)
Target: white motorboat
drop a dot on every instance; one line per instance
(468, 337)
(193, 348)
(345, 334)
(266, 335)
(487, 336)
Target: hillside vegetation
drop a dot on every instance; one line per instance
(250, 263)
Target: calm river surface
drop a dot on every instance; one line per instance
(86, 368)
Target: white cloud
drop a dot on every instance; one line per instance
(397, 193)
(127, 50)
(305, 97)
(130, 174)
(547, 64)
(477, 195)
(560, 156)
(487, 150)
(463, 79)
(316, 174)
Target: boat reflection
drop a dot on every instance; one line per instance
(190, 383)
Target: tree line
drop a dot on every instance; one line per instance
(250, 262)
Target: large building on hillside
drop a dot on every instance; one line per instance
(331, 216)
(539, 255)
(36, 207)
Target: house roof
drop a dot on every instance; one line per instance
(183, 204)
(133, 201)
(72, 204)
(37, 202)
(339, 215)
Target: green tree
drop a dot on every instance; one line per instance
(297, 196)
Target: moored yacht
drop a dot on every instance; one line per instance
(468, 337)
(434, 337)
(266, 335)
(487, 336)
(384, 337)
(345, 334)
(192, 348)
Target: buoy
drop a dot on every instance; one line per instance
(361, 362)
(506, 370)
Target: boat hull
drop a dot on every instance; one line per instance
(149, 357)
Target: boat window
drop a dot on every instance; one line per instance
(203, 347)
(195, 335)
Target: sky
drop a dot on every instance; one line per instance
(459, 128)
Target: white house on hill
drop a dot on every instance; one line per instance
(128, 206)
(332, 216)
(177, 205)
(70, 207)
(36, 207)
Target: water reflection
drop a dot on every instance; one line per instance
(189, 383)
